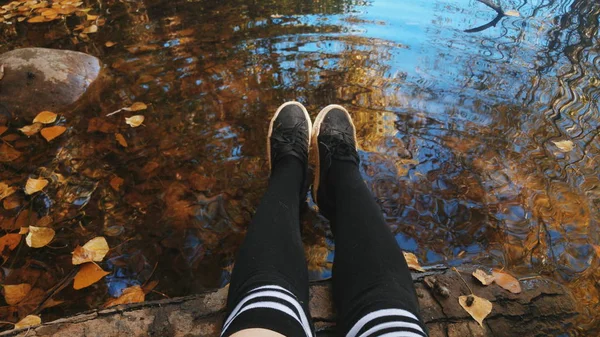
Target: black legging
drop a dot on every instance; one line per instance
(372, 286)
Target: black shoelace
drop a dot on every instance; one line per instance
(289, 140)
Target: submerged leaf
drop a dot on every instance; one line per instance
(45, 117)
(412, 262)
(52, 132)
(564, 145)
(93, 250)
(484, 278)
(35, 185)
(476, 306)
(87, 275)
(15, 293)
(134, 294)
(30, 130)
(39, 237)
(6, 191)
(134, 121)
(121, 140)
(9, 241)
(507, 281)
(29, 320)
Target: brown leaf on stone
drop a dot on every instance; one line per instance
(52, 132)
(15, 293)
(6, 191)
(507, 281)
(39, 237)
(88, 274)
(413, 262)
(30, 130)
(93, 250)
(45, 117)
(134, 294)
(35, 185)
(484, 278)
(479, 308)
(121, 140)
(28, 321)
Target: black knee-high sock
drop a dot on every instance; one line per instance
(269, 284)
(372, 285)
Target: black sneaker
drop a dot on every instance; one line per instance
(333, 137)
(289, 134)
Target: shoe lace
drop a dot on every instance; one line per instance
(340, 145)
(290, 139)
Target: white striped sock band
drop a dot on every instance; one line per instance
(388, 323)
(271, 297)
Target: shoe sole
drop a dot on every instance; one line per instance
(306, 115)
(315, 143)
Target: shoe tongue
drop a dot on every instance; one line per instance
(339, 148)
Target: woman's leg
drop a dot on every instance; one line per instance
(372, 285)
(269, 285)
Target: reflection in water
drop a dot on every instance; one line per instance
(458, 134)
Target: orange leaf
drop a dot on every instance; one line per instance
(138, 106)
(37, 19)
(13, 294)
(507, 281)
(91, 29)
(87, 275)
(29, 320)
(52, 132)
(479, 308)
(116, 183)
(38, 237)
(3, 129)
(45, 117)
(6, 191)
(93, 250)
(121, 140)
(30, 130)
(110, 44)
(134, 294)
(35, 185)
(413, 262)
(9, 241)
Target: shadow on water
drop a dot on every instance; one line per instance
(480, 148)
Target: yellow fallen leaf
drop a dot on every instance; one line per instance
(412, 262)
(134, 294)
(507, 281)
(9, 241)
(90, 29)
(484, 278)
(91, 17)
(15, 293)
(476, 306)
(30, 130)
(39, 237)
(110, 44)
(121, 140)
(23, 230)
(564, 145)
(29, 320)
(37, 19)
(138, 106)
(134, 121)
(52, 132)
(6, 191)
(87, 275)
(35, 185)
(45, 117)
(93, 250)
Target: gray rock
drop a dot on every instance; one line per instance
(38, 79)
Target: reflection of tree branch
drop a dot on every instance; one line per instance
(492, 23)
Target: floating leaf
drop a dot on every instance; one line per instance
(138, 106)
(134, 294)
(35, 185)
(39, 237)
(121, 140)
(45, 117)
(52, 132)
(90, 29)
(6, 191)
(87, 275)
(134, 121)
(93, 250)
(412, 262)
(484, 278)
(30, 130)
(10, 242)
(564, 145)
(29, 320)
(512, 12)
(507, 281)
(476, 306)
(13, 294)
(110, 44)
